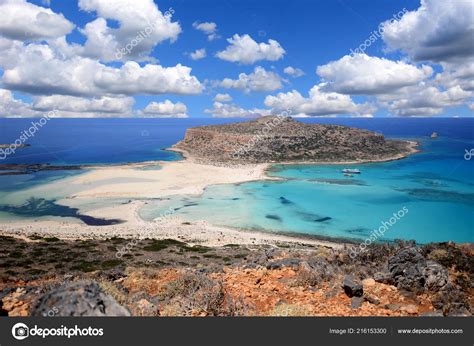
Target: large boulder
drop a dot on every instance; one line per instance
(384, 277)
(352, 286)
(436, 276)
(406, 268)
(285, 262)
(80, 298)
(404, 260)
(314, 272)
(410, 271)
(322, 268)
(452, 301)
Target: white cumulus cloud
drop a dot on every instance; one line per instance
(362, 74)
(103, 104)
(424, 100)
(198, 54)
(293, 72)
(141, 27)
(439, 31)
(208, 28)
(227, 110)
(223, 98)
(65, 106)
(457, 74)
(11, 107)
(21, 20)
(243, 49)
(317, 103)
(166, 109)
(259, 80)
(39, 70)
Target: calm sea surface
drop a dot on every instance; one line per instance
(436, 186)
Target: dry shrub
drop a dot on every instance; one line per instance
(150, 273)
(320, 272)
(193, 294)
(437, 255)
(171, 309)
(306, 278)
(196, 294)
(112, 289)
(291, 310)
(238, 307)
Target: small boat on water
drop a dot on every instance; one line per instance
(351, 171)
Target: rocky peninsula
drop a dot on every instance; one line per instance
(278, 139)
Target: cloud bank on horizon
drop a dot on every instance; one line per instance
(138, 58)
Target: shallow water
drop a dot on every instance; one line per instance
(435, 186)
(38, 207)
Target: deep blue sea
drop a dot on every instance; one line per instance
(436, 186)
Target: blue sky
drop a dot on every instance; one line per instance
(310, 33)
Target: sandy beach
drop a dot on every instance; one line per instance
(200, 232)
(137, 183)
(174, 178)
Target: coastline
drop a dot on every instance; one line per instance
(195, 233)
(260, 266)
(411, 148)
(183, 177)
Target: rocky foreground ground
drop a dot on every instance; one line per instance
(53, 277)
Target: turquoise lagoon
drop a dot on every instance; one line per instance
(436, 186)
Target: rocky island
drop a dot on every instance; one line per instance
(273, 139)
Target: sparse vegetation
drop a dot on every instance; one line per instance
(158, 245)
(194, 293)
(51, 239)
(291, 140)
(15, 254)
(85, 266)
(233, 280)
(196, 248)
(111, 263)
